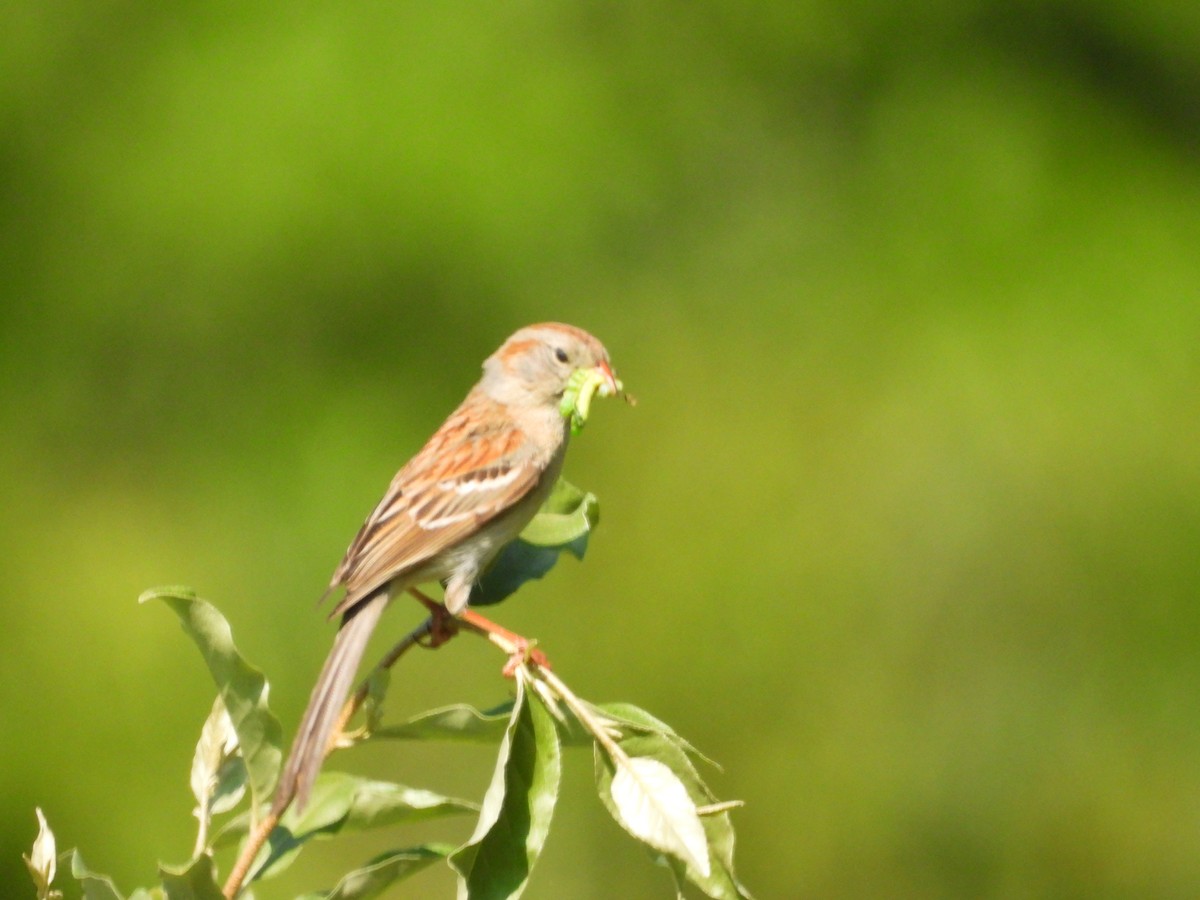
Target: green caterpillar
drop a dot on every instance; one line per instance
(577, 398)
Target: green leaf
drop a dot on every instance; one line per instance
(380, 803)
(342, 803)
(459, 722)
(196, 881)
(243, 688)
(95, 886)
(567, 515)
(627, 720)
(661, 745)
(634, 718)
(517, 808)
(563, 523)
(381, 872)
(517, 563)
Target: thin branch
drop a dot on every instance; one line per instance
(582, 711)
(254, 843)
(202, 831)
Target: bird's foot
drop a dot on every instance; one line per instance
(443, 625)
(523, 652)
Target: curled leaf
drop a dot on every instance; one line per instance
(568, 514)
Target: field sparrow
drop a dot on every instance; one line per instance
(470, 490)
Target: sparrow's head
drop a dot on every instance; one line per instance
(540, 363)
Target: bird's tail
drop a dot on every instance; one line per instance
(325, 705)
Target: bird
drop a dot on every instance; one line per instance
(447, 513)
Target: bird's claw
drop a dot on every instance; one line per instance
(524, 652)
(442, 626)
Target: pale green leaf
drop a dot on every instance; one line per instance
(662, 744)
(653, 805)
(217, 737)
(218, 776)
(231, 785)
(42, 861)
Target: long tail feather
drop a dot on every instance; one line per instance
(325, 704)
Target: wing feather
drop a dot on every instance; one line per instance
(474, 468)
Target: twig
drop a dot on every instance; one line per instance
(254, 843)
(203, 814)
(581, 710)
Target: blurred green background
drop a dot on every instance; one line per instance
(903, 531)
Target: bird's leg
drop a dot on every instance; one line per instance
(442, 624)
(520, 649)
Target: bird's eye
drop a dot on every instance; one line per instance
(560, 354)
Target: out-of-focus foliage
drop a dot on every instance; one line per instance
(903, 530)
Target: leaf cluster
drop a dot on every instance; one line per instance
(645, 775)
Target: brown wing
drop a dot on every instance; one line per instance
(466, 475)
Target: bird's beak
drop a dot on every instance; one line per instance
(611, 385)
(582, 386)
